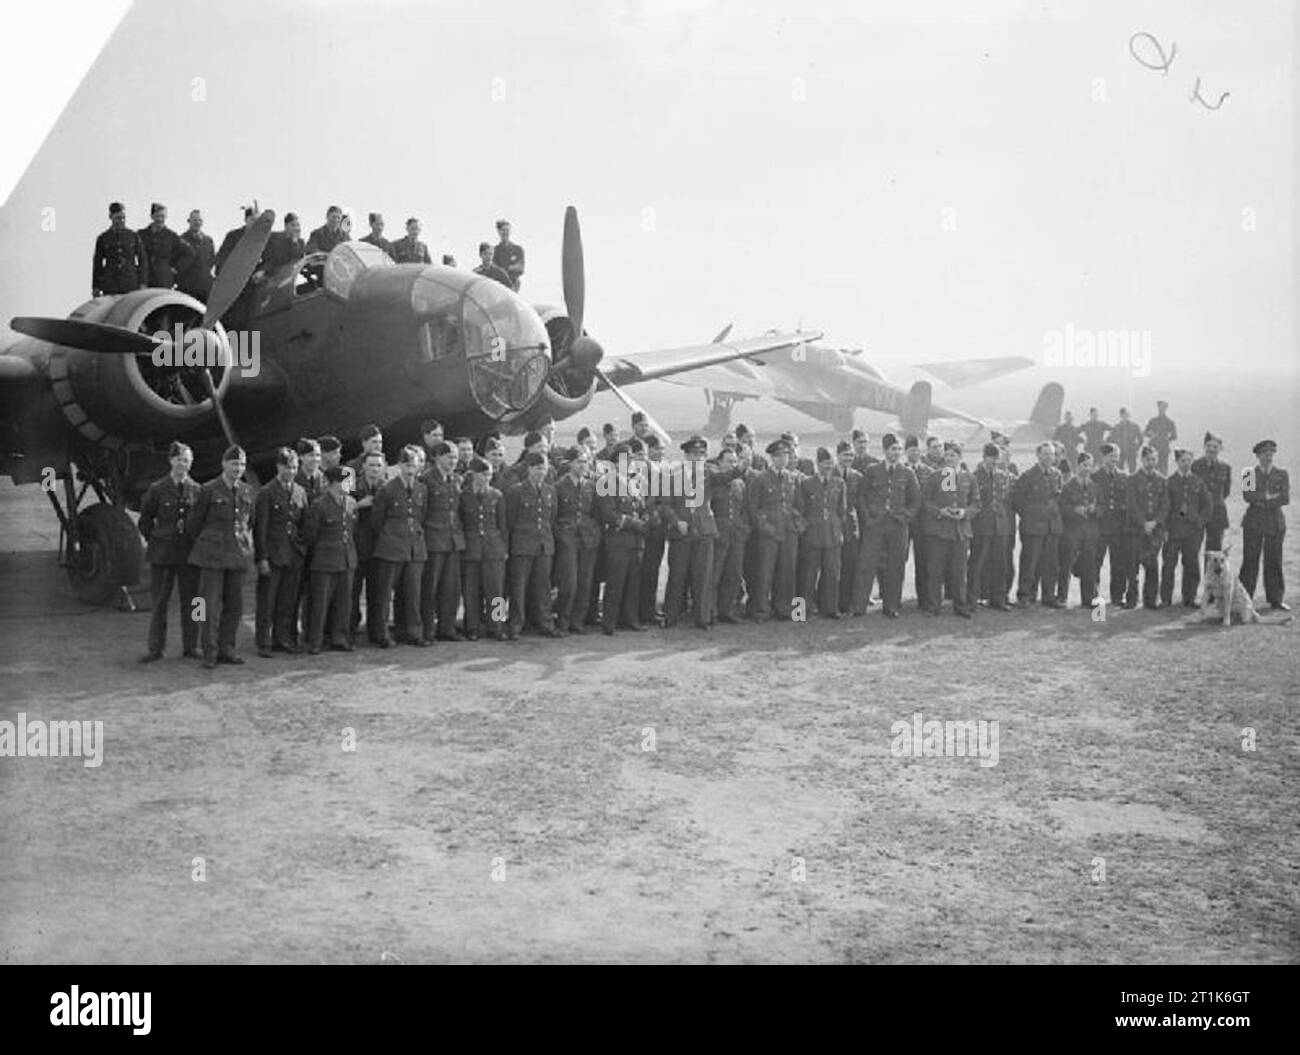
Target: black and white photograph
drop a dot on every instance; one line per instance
(628, 482)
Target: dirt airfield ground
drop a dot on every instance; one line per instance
(502, 805)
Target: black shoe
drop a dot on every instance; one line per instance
(832, 615)
(608, 631)
(729, 619)
(343, 647)
(1150, 606)
(385, 642)
(312, 650)
(209, 663)
(418, 642)
(998, 607)
(892, 613)
(1190, 604)
(280, 646)
(578, 629)
(231, 659)
(191, 653)
(551, 631)
(264, 652)
(1280, 606)
(966, 613)
(150, 657)
(1053, 604)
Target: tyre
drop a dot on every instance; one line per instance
(109, 556)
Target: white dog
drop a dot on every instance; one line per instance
(1222, 595)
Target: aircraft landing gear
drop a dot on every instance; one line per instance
(99, 546)
(720, 404)
(842, 419)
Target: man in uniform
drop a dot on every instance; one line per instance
(853, 479)
(1161, 433)
(488, 269)
(119, 264)
(372, 442)
(196, 277)
(1128, 438)
(165, 251)
(921, 471)
(1190, 508)
(398, 519)
(1036, 501)
(778, 524)
(222, 551)
(443, 543)
(1217, 477)
(325, 238)
(312, 480)
(987, 574)
(622, 512)
(329, 531)
(508, 256)
(530, 520)
(410, 250)
(283, 247)
(1148, 513)
(732, 520)
(577, 541)
(483, 560)
(1112, 516)
(1266, 490)
(655, 541)
(692, 532)
(279, 548)
(863, 459)
(1067, 434)
(370, 479)
(949, 502)
(1005, 461)
(164, 523)
(823, 501)
(376, 235)
(1081, 532)
(1094, 432)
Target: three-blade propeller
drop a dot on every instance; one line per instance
(106, 339)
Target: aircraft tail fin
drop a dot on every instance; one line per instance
(915, 415)
(1047, 407)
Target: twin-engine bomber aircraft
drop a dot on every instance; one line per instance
(345, 338)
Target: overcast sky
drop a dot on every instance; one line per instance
(926, 180)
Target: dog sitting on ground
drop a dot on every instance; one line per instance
(1223, 598)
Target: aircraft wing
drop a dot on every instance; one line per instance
(666, 362)
(960, 373)
(740, 377)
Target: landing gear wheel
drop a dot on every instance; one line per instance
(108, 554)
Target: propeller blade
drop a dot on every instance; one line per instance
(231, 438)
(88, 336)
(238, 268)
(575, 287)
(635, 407)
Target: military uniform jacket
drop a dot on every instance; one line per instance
(996, 491)
(893, 494)
(530, 517)
(1190, 505)
(772, 497)
(729, 510)
(1126, 436)
(1112, 500)
(824, 505)
(618, 513)
(1035, 498)
(442, 531)
(164, 515)
(863, 462)
(699, 520)
(517, 473)
(322, 240)
(196, 277)
(506, 256)
(367, 530)
(949, 488)
(1148, 499)
(575, 518)
(277, 523)
(1161, 432)
(167, 253)
(408, 250)
(483, 519)
(221, 526)
(397, 518)
(1076, 495)
(1217, 477)
(379, 242)
(313, 486)
(852, 497)
(1263, 513)
(281, 250)
(330, 532)
(1094, 435)
(120, 264)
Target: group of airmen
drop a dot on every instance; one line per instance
(453, 543)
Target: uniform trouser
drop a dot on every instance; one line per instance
(1188, 549)
(440, 594)
(1145, 564)
(622, 581)
(277, 600)
(884, 546)
(728, 561)
(774, 578)
(162, 577)
(222, 591)
(483, 585)
(1213, 539)
(821, 577)
(530, 585)
(303, 603)
(946, 563)
(1079, 556)
(573, 571)
(1253, 544)
(848, 571)
(690, 565)
(1128, 460)
(366, 580)
(1009, 562)
(1038, 555)
(749, 571)
(404, 577)
(331, 602)
(987, 572)
(648, 589)
(1121, 554)
(920, 573)
(1162, 454)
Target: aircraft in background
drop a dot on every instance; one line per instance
(89, 403)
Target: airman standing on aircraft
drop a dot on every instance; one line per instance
(987, 574)
(326, 237)
(1036, 499)
(823, 502)
(376, 235)
(410, 250)
(1266, 490)
(488, 269)
(164, 515)
(398, 516)
(1080, 535)
(1128, 438)
(196, 277)
(166, 252)
(119, 264)
(232, 238)
(329, 533)
(223, 552)
(279, 549)
(1217, 477)
(949, 502)
(508, 256)
(1190, 508)
(283, 247)
(1161, 433)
